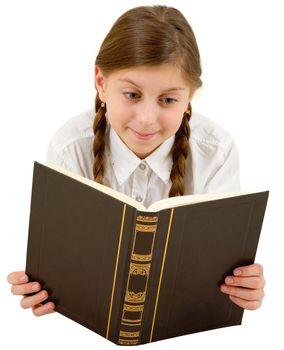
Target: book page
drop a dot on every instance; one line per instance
(190, 199)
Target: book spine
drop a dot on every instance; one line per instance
(137, 280)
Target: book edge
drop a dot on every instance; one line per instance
(173, 202)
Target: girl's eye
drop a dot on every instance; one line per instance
(131, 94)
(169, 100)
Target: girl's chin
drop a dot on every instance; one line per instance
(143, 153)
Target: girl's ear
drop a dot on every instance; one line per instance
(100, 83)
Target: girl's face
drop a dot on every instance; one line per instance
(144, 105)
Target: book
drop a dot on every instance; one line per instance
(132, 274)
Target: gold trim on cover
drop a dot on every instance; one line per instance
(134, 270)
(147, 218)
(138, 275)
(140, 257)
(146, 228)
(133, 324)
(129, 334)
(115, 270)
(133, 311)
(161, 274)
(127, 341)
(139, 269)
(135, 308)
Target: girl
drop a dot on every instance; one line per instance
(143, 138)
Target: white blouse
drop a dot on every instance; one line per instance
(211, 166)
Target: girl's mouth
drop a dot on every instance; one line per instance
(142, 136)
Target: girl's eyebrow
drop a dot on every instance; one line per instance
(166, 90)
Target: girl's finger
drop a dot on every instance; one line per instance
(249, 270)
(40, 310)
(25, 288)
(17, 277)
(31, 301)
(247, 282)
(246, 304)
(243, 293)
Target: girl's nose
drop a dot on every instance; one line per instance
(147, 114)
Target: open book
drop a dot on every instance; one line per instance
(132, 274)
(157, 206)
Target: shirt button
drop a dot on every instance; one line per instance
(142, 166)
(139, 198)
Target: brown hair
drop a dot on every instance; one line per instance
(149, 36)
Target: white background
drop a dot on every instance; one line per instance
(47, 56)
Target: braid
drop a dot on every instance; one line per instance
(99, 128)
(180, 151)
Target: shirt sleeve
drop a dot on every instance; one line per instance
(226, 178)
(63, 157)
(53, 156)
(58, 157)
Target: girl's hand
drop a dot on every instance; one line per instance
(246, 287)
(20, 286)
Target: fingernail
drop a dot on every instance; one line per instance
(237, 272)
(229, 280)
(50, 306)
(43, 294)
(224, 289)
(35, 287)
(24, 278)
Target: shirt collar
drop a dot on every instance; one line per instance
(161, 159)
(124, 161)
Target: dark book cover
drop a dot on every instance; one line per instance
(135, 276)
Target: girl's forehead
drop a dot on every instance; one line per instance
(165, 68)
(163, 74)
